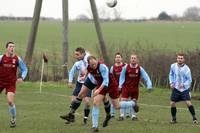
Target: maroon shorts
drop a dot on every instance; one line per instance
(130, 92)
(9, 88)
(112, 90)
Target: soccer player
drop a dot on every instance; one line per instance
(80, 66)
(99, 77)
(9, 62)
(129, 84)
(180, 82)
(116, 71)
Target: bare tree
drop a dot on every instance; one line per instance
(65, 36)
(192, 13)
(33, 33)
(99, 32)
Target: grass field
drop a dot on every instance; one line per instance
(147, 35)
(39, 113)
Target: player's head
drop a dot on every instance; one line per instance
(79, 53)
(10, 46)
(118, 57)
(180, 58)
(133, 59)
(92, 61)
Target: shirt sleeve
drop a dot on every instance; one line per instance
(105, 74)
(122, 76)
(111, 69)
(188, 79)
(145, 76)
(72, 72)
(1, 57)
(22, 68)
(171, 75)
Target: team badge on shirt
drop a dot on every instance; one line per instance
(13, 61)
(136, 70)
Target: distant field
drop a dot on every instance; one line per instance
(39, 113)
(148, 35)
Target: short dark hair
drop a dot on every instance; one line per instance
(118, 53)
(80, 49)
(90, 58)
(9, 43)
(181, 54)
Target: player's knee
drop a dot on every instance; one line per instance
(87, 106)
(116, 106)
(173, 104)
(96, 102)
(188, 103)
(10, 103)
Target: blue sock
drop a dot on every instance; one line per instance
(122, 108)
(12, 110)
(128, 111)
(95, 116)
(112, 110)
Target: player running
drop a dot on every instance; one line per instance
(9, 62)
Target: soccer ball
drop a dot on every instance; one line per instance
(111, 3)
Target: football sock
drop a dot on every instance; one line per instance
(12, 110)
(113, 111)
(95, 116)
(75, 104)
(173, 113)
(122, 108)
(86, 111)
(107, 107)
(192, 111)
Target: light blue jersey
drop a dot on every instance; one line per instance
(77, 67)
(178, 75)
(143, 74)
(80, 67)
(22, 68)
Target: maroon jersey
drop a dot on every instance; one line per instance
(96, 74)
(117, 71)
(112, 86)
(8, 70)
(132, 77)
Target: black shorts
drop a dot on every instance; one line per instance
(88, 83)
(78, 89)
(177, 96)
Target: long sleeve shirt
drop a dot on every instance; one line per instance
(143, 74)
(180, 75)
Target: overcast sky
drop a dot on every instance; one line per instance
(128, 8)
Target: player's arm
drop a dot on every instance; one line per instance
(146, 78)
(83, 71)
(105, 75)
(111, 69)
(23, 70)
(71, 74)
(187, 79)
(122, 77)
(171, 77)
(1, 57)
